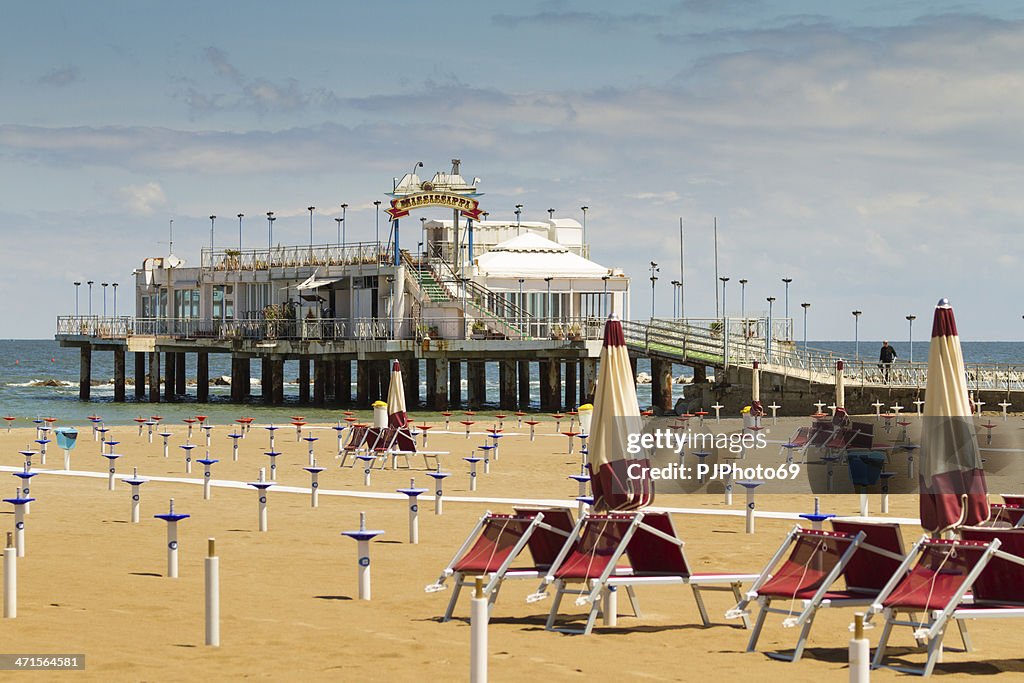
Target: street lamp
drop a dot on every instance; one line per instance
(675, 301)
(212, 219)
(311, 209)
(104, 285)
(551, 214)
(654, 278)
(724, 280)
(240, 237)
(270, 235)
(768, 330)
(604, 297)
(344, 228)
(423, 233)
(786, 281)
(115, 299)
(339, 221)
(584, 210)
(910, 320)
(547, 304)
(90, 296)
(77, 285)
(522, 306)
(519, 211)
(805, 306)
(743, 305)
(856, 333)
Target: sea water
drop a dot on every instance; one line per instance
(25, 364)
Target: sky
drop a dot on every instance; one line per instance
(870, 151)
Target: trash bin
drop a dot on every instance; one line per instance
(67, 437)
(586, 412)
(380, 414)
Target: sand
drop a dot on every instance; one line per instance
(93, 583)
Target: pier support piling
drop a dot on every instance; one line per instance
(437, 383)
(239, 378)
(140, 375)
(363, 383)
(277, 385)
(202, 377)
(588, 382)
(411, 375)
(551, 385)
(119, 375)
(180, 384)
(475, 387)
(304, 381)
(85, 373)
(267, 380)
(661, 384)
(343, 381)
(455, 384)
(507, 384)
(570, 384)
(170, 366)
(154, 377)
(524, 385)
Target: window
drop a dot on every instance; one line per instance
(186, 303)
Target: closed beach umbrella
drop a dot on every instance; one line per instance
(616, 416)
(840, 386)
(953, 491)
(396, 409)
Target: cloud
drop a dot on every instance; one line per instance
(574, 19)
(655, 197)
(60, 76)
(143, 199)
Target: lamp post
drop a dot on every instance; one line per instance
(270, 234)
(240, 240)
(675, 301)
(90, 282)
(519, 211)
(104, 285)
(77, 285)
(115, 299)
(786, 281)
(654, 278)
(724, 315)
(339, 221)
(743, 305)
(213, 219)
(805, 306)
(768, 330)
(522, 305)
(604, 297)
(377, 232)
(344, 228)
(547, 302)
(856, 333)
(311, 209)
(910, 335)
(551, 214)
(584, 210)
(423, 234)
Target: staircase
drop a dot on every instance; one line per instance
(431, 288)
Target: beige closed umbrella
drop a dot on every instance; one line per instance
(952, 480)
(397, 417)
(620, 480)
(755, 382)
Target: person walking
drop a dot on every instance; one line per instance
(886, 356)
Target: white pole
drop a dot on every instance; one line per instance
(750, 509)
(611, 606)
(314, 489)
(206, 483)
(478, 634)
(263, 509)
(19, 529)
(172, 549)
(10, 579)
(860, 652)
(212, 596)
(135, 503)
(864, 503)
(110, 476)
(67, 459)
(364, 568)
(728, 488)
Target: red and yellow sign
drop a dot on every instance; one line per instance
(467, 206)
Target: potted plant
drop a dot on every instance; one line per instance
(479, 330)
(557, 332)
(575, 332)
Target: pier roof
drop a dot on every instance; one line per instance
(530, 254)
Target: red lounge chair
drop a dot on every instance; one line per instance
(935, 578)
(497, 541)
(356, 440)
(655, 553)
(1002, 515)
(864, 554)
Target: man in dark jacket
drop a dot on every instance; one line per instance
(886, 356)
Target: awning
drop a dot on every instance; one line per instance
(313, 283)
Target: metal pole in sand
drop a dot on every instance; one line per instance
(261, 487)
(167, 435)
(187, 447)
(111, 470)
(774, 408)
(172, 518)
(728, 487)
(234, 444)
(1004, 405)
(339, 429)
(42, 445)
(273, 464)
(310, 439)
(610, 608)
(816, 517)
(149, 430)
(718, 411)
(438, 477)
(414, 510)
(472, 471)
(135, 483)
(860, 652)
(26, 483)
(19, 504)
(314, 484)
(750, 486)
(208, 429)
(206, 463)
(271, 429)
(367, 461)
(67, 439)
(212, 567)
(886, 476)
(363, 536)
(478, 618)
(10, 578)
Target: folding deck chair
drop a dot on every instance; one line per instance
(655, 554)
(356, 440)
(864, 554)
(405, 445)
(497, 541)
(1003, 515)
(935, 578)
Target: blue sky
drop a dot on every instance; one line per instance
(870, 151)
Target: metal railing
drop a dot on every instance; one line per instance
(356, 253)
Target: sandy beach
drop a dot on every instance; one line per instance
(94, 583)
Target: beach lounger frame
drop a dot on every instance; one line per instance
(614, 576)
(958, 605)
(534, 518)
(356, 440)
(823, 597)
